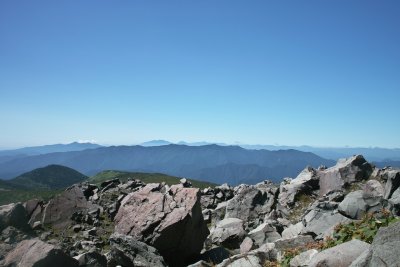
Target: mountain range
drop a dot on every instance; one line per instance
(211, 163)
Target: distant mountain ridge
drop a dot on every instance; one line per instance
(7, 155)
(211, 163)
(49, 177)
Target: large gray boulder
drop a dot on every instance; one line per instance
(254, 258)
(306, 182)
(340, 255)
(353, 205)
(292, 230)
(91, 259)
(59, 210)
(321, 223)
(251, 203)
(384, 250)
(169, 219)
(126, 251)
(344, 173)
(394, 202)
(264, 233)
(13, 215)
(228, 233)
(303, 259)
(35, 253)
(392, 177)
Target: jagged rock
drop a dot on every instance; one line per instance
(321, 223)
(373, 192)
(392, 177)
(126, 251)
(340, 255)
(303, 259)
(251, 203)
(31, 205)
(264, 233)
(228, 233)
(293, 230)
(247, 245)
(170, 220)
(384, 250)
(353, 205)
(13, 215)
(12, 235)
(306, 182)
(294, 242)
(394, 201)
(344, 173)
(35, 253)
(91, 259)
(37, 214)
(106, 185)
(254, 258)
(60, 209)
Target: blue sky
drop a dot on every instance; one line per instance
(322, 73)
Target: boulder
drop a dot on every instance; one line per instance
(294, 242)
(228, 233)
(394, 202)
(306, 182)
(60, 209)
(344, 173)
(247, 245)
(35, 253)
(340, 255)
(251, 203)
(13, 215)
(353, 205)
(264, 233)
(254, 258)
(303, 259)
(392, 177)
(91, 259)
(126, 251)
(384, 250)
(293, 230)
(321, 223)
(169, 219)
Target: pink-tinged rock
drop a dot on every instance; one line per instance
(59, 210)
(35, 253)
(168, 219)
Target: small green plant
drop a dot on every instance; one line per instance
(364, 229)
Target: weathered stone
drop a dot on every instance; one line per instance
(247, 245)
(294, 242)
(303, 259)
(264, 233)
(353, 205)
(59, 210)
(91, 259)
(322, 223)
(31, 205)
(173, 230)
(344, 173)
(13, 215)
(392, 177)
(293, 230)
(228, 233)
(394, 201)
(340, 255)
(251, 203)
(126, 251)
(254, 258)
(35, 253)
(306, 182)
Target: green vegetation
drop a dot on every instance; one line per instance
(145, 177)
(17, 195)
(49, 177)
(364, 229)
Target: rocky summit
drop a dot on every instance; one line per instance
(345, 215)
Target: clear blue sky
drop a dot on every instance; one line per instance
(323, 73)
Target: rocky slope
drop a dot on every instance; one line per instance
(345, 215)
